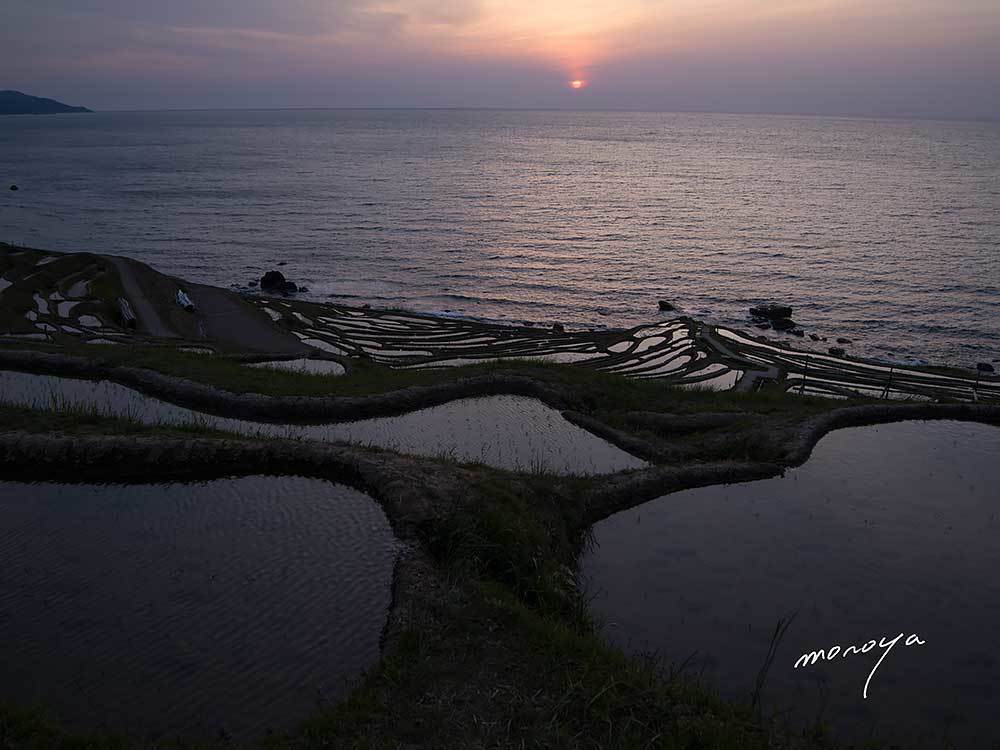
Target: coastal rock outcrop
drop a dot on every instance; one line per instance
(771, 311)
(275, 282)
(779, 316)
(665, 306)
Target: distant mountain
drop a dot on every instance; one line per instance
(16, 103)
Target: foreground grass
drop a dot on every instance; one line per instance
(85, 422)
(527, 679)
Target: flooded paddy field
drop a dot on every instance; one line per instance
(817, 374)
(225, 608)
(668, 350)
(885, 530)
(303, 366)
(507, 432)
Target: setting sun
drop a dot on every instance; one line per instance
(577, 84)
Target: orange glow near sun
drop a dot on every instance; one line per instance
(577, 84)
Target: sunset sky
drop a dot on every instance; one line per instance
(891, 57)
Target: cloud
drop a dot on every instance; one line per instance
(300, 16)
(699, 54)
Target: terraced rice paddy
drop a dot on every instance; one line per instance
(219, 609)
(671, 351)
(65, 308)
(680, 352)
(884, 530)
(507, 432)
(817, 374)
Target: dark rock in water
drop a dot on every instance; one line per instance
(366, 306)
(275, 281)
(272, 281)
(665, 306)
(13, 187)
(529, 323)
(836, 351)
(783, 324)
(253, 284)
(303, 289)
(985, 367)
(814, 337)
(763, 326)
(798, 332)
(558, 328)
(771, 311)
(843, 341)
(283, 263)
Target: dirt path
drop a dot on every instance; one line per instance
(220, 316)
(150, 321)
(751, 376)
(234, 323)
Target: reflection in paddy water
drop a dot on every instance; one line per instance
(884, 530)
(234, 605)
(508, 432)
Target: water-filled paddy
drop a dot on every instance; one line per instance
(885, 530)
(304, 366)
(508, 432)
(234, 605)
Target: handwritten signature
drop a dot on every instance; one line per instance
(835, 652)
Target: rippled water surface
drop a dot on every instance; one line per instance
(883, 231)
(884, 530)
(508, 432)
(234, 606)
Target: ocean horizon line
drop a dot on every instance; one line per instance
(561, 110)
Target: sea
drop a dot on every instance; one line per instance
(883, 232)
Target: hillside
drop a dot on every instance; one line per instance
(16, 103)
